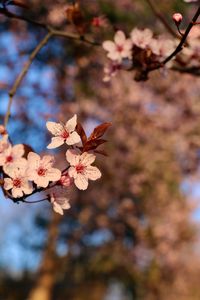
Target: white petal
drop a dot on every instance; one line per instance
(18, 150)
(92, 173)
(56, 142)
(120, 37)
(71, 124)
(33, 160)
(53, 174)
(73, 138)
(81, 182)
(41, 181)
(66, 204)
(54, 128)
(87, 158)
(115, 55)
(8, 184)
(72, 157)
(47, 161)
(72, 172)
(57, 208)
(109, 46)
(17, 192)
(27, 188)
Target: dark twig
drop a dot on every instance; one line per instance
(161, 18)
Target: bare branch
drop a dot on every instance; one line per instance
(161, 18)
(23, 72)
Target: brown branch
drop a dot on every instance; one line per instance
(184, 37)
(161, 18)
(189, 70)
(23, 72)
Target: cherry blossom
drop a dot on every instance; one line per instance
(40, 169)
(177, 17)
(66, 180)
(141, 38)
(12, 157)
(4, 144)
(162, 48)
(119, 49)
(111, 71)
(81, 169)
(63, 133)
(18, 182)
(59, 200)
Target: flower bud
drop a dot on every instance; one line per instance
(177, 18)
(2, 130)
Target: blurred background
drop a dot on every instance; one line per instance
(134, 234)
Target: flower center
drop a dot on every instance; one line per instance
(17, 182)
(65, 134)
(80, 168)
(9, 158)
(120, 48)
(41, 171)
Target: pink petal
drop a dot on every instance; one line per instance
(53, 174)
(72, 157)
(71, 124)
(54, 128)
(87, 158)
(33, 160)
(8, 184)
(55, 142)
(57, 208)
(17, 192)
(109, 46)
(81, 182)
(120, 37)
(18, 150)
(93, 173)
(73, 138)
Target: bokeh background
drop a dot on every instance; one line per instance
(134, 234)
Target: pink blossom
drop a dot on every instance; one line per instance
(177, 18)
(162, 48)
(40, 169)
(63, 133)
(141, 38)
(18, 182)
(81, 169)
(66, 180)
(111, 71)
(59, 199)
(120, 48)
(4, 144)
(12, 157)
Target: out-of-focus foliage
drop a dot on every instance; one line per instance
(134, 226)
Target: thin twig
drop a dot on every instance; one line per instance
(161, 18)
(23, 72)
(184, 37)
(36, 201)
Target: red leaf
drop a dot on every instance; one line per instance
(102, 152)
(82, 133)
(93, 144)
(99, 131)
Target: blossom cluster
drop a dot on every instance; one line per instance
(25, 174)
(140, 48)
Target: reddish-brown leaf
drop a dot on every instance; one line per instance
(82, 133)
(99, 131)
(93, 144)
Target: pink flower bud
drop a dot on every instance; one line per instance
(66, 181)
(177, 18)
(2, 130)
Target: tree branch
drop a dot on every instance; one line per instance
(23, 72)
(161, 18)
